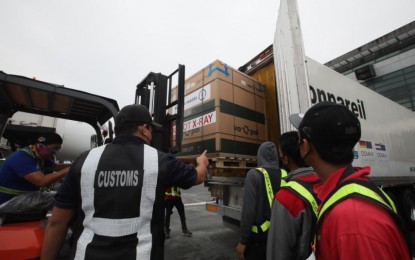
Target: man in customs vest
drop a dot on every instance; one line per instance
(115, 194)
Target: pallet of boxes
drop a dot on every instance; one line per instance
(224, 113)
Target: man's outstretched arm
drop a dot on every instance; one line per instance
(56, 232)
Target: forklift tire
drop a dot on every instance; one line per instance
(407, 207)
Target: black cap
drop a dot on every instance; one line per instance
(49, 138)
(134, 114)
(329, 126)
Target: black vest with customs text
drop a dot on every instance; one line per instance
(118, 189)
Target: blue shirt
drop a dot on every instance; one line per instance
(12, 171)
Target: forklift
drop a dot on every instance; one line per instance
(21, 234)
(155, 93)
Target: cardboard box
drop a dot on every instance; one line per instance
(220, 70)
(213, 143)
(245, 146)
(208, 122)
(194, 82)
(217, 70)
(213, 121)
(243, 81)
(260, 104)
(222, 112)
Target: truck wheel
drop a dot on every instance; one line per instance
(408, 207)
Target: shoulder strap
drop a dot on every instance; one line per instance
(28, 151)
(39, 161)
(356, 188)
(305, 191)
(369, 191)
(284, 175)
(268, 185)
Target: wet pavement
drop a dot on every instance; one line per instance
(210, 239)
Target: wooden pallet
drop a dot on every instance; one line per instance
(229, 172)
(234, 161)
(224, 164)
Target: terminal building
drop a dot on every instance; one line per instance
(385, 65)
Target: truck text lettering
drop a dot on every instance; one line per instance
(318, 95)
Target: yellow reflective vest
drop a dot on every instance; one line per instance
(270, 194)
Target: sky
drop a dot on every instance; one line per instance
(107, 47)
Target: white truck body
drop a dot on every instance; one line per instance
(76, 135)
(388, 129)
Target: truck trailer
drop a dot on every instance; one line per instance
(292, 83)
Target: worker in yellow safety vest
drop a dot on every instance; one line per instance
(260, 186)
(356, 219)
(173, 199)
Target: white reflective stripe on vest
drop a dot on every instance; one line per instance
(118, 227)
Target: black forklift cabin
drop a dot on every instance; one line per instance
(18, 93)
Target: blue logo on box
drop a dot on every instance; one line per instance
(224, 71)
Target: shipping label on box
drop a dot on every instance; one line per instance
(195, 98)
(191, 127)
(208, 122)
(200, 121)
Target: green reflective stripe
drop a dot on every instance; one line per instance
(254, 229)
(39, 162)
(177, 192)
(10, 191)
(347, 190)
(390, 201)
(28, 151)
(283, 175)
(264, 227)
(268, 185)
(270, 194)
(305, 194)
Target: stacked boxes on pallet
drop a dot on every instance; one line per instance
(224, 112)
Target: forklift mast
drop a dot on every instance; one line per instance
(155, 92)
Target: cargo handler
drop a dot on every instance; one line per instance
(260, 186)
(23, 174)
(356, 219)
(173, 199)
(294, 211)
(115, 193)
